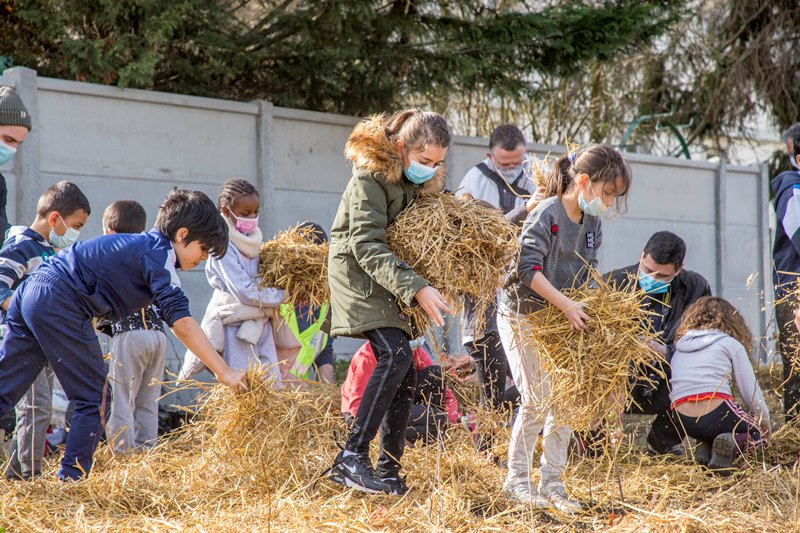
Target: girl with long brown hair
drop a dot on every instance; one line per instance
(713, 343)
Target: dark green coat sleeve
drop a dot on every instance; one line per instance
(368, 222)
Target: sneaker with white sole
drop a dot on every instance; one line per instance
(556, 494)
(526, 493)
(356, 472)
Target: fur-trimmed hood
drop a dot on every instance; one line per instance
(370, 149)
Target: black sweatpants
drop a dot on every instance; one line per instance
(386, 402)
(726, 418)
(491, 365)
(788, 346)
(428, 420)
(651, 397)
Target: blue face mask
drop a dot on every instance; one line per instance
(651, 285)
(416, 343)
(6, 153)
(66, 240)
(418, 173)
(595, 208)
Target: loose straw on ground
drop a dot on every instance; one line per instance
(591, 371)
(292, 261)
(252, 462)
(458, 245)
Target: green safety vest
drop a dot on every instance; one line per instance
(312, 339)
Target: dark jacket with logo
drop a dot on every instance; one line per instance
(786, 249)
(687, 287)
(366, 279)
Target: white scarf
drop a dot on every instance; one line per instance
(249, 245)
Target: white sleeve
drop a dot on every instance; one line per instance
(467, 185)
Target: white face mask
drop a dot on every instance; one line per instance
(510, 174)
(66, 240)
(793, 161)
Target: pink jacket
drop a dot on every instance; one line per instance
(361, 366)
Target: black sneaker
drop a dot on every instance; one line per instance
(657, 449)
(356, 472)
(723, 452)
(397, 484)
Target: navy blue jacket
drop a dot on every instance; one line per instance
(115, 275)
(786, 250)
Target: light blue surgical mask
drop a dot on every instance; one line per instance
(66, 240)
(418, 173)
(6, 153)
(595, 208)
(651, 285)
(416, 343)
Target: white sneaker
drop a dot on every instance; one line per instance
(526, 493)
(554, 491)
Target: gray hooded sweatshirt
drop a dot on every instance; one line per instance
(705, 360)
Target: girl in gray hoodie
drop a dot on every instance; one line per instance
(713, 343)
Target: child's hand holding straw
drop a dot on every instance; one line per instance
(433, 303)
(235, 379)
(574, 311)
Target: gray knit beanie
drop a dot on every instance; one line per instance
(12, 110)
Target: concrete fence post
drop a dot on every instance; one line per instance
(765, 285)
(265, 181)
(720, 224)
(26, 162)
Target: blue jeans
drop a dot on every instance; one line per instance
(47, 324)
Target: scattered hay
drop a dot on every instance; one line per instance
(539, 169)
(252, 462)
(784, 446)
(590, 371)
(459, 246)
(294, 262)
(793, 357)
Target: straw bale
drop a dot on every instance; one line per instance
(458, 245)
(591, 371)
(292, 261)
